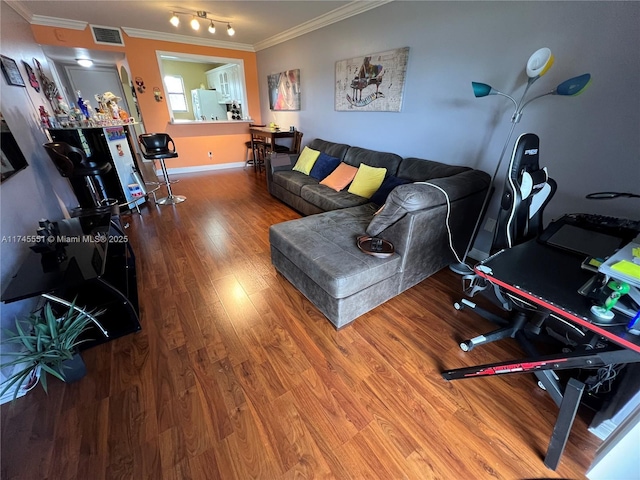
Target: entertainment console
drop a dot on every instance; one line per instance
(95, 269)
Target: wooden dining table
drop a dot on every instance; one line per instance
(269, 136)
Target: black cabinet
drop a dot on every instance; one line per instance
(112, 144)
(98, 272)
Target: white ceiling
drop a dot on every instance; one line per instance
(258, 24)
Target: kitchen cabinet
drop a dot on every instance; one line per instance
(228, 82)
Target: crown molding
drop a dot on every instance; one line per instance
(351, 9)
(342, 13)
(58, 22)
(20, 9)
(173, 37)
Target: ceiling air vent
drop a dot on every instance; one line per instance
(107, 35)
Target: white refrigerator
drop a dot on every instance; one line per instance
(206, 105)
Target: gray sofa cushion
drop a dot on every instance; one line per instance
(328, 199)
(293, 181)
(417, 169)
(356, 155)
(337, 150)
(417, 196)
(324, 247)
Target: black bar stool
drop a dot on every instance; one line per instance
(73, 164)
(158, 146)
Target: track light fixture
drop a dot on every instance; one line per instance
(195, 21)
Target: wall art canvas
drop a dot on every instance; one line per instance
(372, 83)
(10, 70)
(284, 90)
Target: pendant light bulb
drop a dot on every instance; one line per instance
(175, 21)
(212, 28)
(195, 24)
(230, 30)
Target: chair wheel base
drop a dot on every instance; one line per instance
(466, 346)
(171, 200)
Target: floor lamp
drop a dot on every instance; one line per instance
(538, 64)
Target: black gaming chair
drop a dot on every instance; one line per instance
(527, 191)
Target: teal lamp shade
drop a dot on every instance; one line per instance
(481, 89)
(574, 86)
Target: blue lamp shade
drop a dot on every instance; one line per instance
(574, 86)
(481, 89)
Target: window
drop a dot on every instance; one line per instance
(175, 92)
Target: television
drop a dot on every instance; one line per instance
(11, 158)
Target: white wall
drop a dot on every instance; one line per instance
(38, 191)
(589, 143)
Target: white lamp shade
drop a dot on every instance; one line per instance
(175, 21)
(195, 24)
(539, 63)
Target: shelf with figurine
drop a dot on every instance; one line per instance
(82, 115)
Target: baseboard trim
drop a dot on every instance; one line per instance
(203, 168)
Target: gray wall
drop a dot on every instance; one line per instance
(39, 190)
(589, 143)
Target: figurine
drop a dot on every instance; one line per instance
(63, 108)
(44, 118)
(82, 106)
(111, 101)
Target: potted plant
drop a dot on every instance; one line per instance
(46, 343)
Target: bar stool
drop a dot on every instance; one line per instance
(295, 145)
(72, 163)
(253, 154)
(158, 146)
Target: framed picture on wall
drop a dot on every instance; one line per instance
(11, 72)
(33, 81)
(284, 90)
(371, 83)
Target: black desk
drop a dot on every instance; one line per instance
(99, 272)
(549, 279)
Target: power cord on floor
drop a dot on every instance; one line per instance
(446, 196)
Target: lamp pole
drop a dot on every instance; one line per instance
(537, 65)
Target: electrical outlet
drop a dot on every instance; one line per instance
(210, 154)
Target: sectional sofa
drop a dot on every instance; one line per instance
(319, 253)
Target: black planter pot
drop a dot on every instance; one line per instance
(74, 369)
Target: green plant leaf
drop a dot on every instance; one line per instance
(18, 378)
(52, 322)
(24, 336)
(43, 380)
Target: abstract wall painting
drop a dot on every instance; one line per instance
(284, 90)
(371, 83)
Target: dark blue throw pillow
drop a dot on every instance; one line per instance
(383, 192)
(325, 164)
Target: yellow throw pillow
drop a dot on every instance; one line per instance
(306, 160)
(340, 177)
(367, 181)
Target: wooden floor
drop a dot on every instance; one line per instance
(235, 375)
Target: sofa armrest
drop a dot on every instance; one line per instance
(278, 162)
(412, 197)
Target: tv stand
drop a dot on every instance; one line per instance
(98, 273)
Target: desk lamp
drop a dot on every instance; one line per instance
(538, 64)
